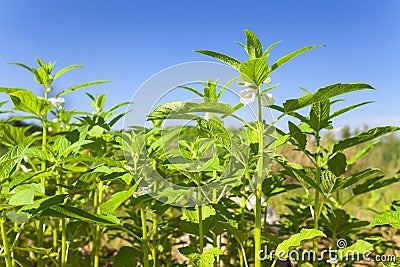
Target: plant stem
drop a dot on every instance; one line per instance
(63, 243)
(98, 199)
(42, 181)
(242, 226)
(214, 190)
(334, 245)
(316, 195)
(155, 240)
(258, 193)
(200, 214)
(274, 262)
(216, 245)
(201, 230)
(155, 234)
(6, 246)
(145, 240)
(62, 224)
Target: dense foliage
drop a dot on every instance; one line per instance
(74, 192)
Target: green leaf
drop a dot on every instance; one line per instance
(210, 91)
(22, 260)
(10, 161)
(216, 130)
(254, 71)
(193, 90)
(35, 250)
(322, 94)
(181, 110)
(337, 164)
(319, 115)
(254, 47)
(80, 86)
(360, 247)
(344, 110)
(42, 204)
(346, 182)
(126, 257)
(25, 100)
(18, 218)
(37, 188)
(219, 108)
(66, 69)
(207, 258)
(23, 66)
(11, 135)
(91, 159)
(290, 56)
(188, 250)
(363, 137)
(23, 197)
(373, 184)
(362, 152)
(76, 213)
(116, 200)
(191, 215)
(282, 250)
(328, 180)
(269, 48)
(391, 218)
(224, 58)
(298, 135)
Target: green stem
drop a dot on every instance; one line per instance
(98, 199)
(155, 240)
(242, 226)
(155, 233)
(258, 193)
(216, 245)
(274, 262)
(201, 230)
(334, 245)
(63, 222)
(40, 241)
(63, 262)
(317, 210)
(57, 223)
(42, 181)
(6, 246)
(215, 200)
(200, 214)
(145, 241)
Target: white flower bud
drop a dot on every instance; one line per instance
(207, 116)
(249, 85)
(24, 168)
(267, 100)
(57, 102)
(268, 80)
(247, 96)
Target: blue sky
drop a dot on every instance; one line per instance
(129, 41)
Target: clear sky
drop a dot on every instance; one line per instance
(128, 41)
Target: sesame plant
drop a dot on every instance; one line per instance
(77, 192)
